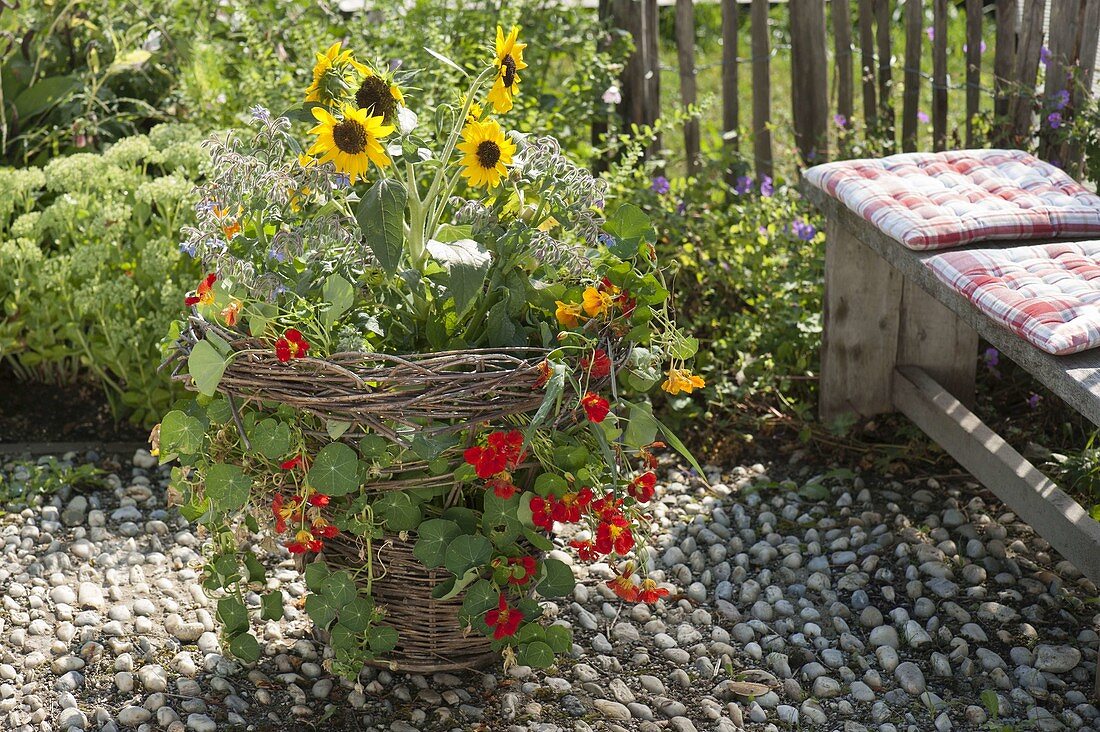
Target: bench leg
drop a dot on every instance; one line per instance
(874, 320)
(936, 340)
(861, 315)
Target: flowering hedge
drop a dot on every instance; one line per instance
(403, 233)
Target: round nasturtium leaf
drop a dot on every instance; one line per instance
(466, 552)
(434, 537)
(335, 470)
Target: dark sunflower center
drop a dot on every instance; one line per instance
(374, 95)
(350, 137)
(488, 154)
(508, 70)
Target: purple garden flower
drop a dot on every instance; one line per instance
(681, 208)
(922, 117)
(1061, 99)
(744, 185)
(930, 32)
(1044, 56)
(660, 185)
(981, 48)
(803, 230)
(1054, 119)
(840, 120)
(766, 187)
(188, 248)
(1033, 401)
(991, 358)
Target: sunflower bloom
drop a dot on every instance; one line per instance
(330, 74)
(379, 97)
(597, 302)
(487, 153)
(569, 313)
(351, 143)
(682, 380)
(509, 61)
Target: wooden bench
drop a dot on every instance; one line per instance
(897, 338)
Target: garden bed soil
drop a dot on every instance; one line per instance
(36, 412)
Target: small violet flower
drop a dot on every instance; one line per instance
(803, 230)
(922, 117)
(1033, 401)
(981, 48)
(1054, 119)
(930, 32)
(840, 120)
(1044, 56)
(660, 185)
(612, 95)
(1061, 99)
(991, 357)
(744, 185)
(766, 187)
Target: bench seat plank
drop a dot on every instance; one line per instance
(1075, 379)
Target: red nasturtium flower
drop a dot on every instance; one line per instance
(291, 345)
(502, 486)
(598, 365)
(285, 510)
(294, 462)
(607, 507)
(318, 499)
(528, 564)
(544, 374)
(304, 541)
(541, 509)
(643, 487)
(501, 453)
(204, 293)
(503, 620)
(595, 407)
(650, 592)
(614, 535)
(624, 586)
(567, 509)
(586, 550)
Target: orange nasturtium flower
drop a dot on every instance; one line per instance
(624, 586)
(597, 302)
(682, 380)
(204, 293)
(232, 312)
(569, 313)
(650, 592)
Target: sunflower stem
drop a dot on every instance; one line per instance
(452, 140)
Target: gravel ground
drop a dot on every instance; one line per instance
(885, 606)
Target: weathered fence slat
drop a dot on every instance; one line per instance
(973, 65)
(1004, 64)
(842, 35)
(599, 121)
(761, 89)
(867, 61)
(910, 100)
(809, 85)
(1065, 16)
(730, 110)
(883, 23)
(1028, 48)
(653, 69)
(685, 47)
(939, 75)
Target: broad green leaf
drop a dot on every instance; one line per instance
(554, 388)
(466, 552)
(466, 263)
(320, 610)
(558, 581)
(357, 615)
(245, 647)
(1095, 512)
(341, 636)
(466, 518)
(227, 487)
(42, 95)
(206, 367)
(270, 438)
(382, 639)
(641, 428)
(537, 540)
(373, 447)
(271, 605)
(814, 492)
(435, 535)
(535, 654)
(233, 615)
(256, 571)
(335, 470)
(339, 589)
(336, 429)
(548, 483)
(339, 294)
(559, 639)
(480, 598)
(381, 216)
(180, 433)
(316, 573)
(628, 222)
(398, 510)
(500, 522)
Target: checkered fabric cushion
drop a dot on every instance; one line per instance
(1047, 294)
(943, 200)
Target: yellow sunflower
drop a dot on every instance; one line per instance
(350, 142)
(330, 74)
(379, 97)
(488, 152)
(509, 61)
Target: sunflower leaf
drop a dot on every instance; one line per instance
(466, 263)
(447, 61)
(381, 217)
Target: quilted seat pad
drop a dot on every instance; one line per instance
(942, 200)
(1047, 294)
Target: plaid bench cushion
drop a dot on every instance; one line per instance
(1047, 294)
(943, 200)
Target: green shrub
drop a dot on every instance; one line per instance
(90, 268)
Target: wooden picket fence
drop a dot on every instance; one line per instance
(863, 56)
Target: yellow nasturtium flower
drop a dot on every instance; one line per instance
(568, 313)
(509, 60)
(682, 380)
(597, 302)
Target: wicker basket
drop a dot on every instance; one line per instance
(436, 393)
(431, 637)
